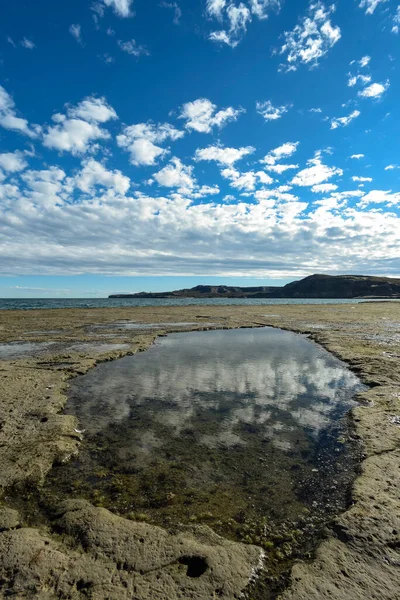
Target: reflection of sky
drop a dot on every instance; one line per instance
(274, 379)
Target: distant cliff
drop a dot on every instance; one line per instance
(314, 286)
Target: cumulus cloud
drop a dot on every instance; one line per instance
(202, 115)
(392, 167)
(215, 8)
(222, 37)
(312, 38)
(279, 169)
(324, 188)
(142, 141)
(13, 162)
(246, 181)
(176, 175)
(357, 156)
(261, 8)
(381, 197)
(237, 17)
(361, 179)
(270, 112)
(284, 151)
(76, 32)
(315, 173)
(364, 61)
(105, 232)
(77, 131)
(123, 8)
(74, 135)
(375, 90)
(132, 48)
(93, 109)
(370, 5)
(223, 155)
(10, 120)
(354, 79)
(344, 121)
(94, 174)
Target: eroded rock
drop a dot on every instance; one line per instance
(115, 558)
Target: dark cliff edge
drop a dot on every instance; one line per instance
(314, 286)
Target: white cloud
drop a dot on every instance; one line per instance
(361, 179)
(222, 37)
(93, 110)
(324, 188)
(201, 115)
(370, 5)
(260, 8)
(364, 61)
(47, 226)
(357, 156)
(392, 167)
(176, 174)
(396, 21)
(74, 135)
(222, 155)
(76, 32)
(316, 173)
(354, 79)
(142, 141)
(77, 131)
(381, 197)
(95, 174)
(270, 112)
(344, 121)
(12, 162)
(121, 7)
(279, 169)
(9, 118)
(246, 181)
(28, 44)
(45, 188)
(315, 110)
(283, 151)
(176, 8)
(131, 47)
(312, 38)
(215, 8)
(375, 90)
(237, 17)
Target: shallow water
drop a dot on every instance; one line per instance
(132, 325)
(240, 429)
(22, 349)
(14, 350)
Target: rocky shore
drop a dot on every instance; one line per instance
(89, 552)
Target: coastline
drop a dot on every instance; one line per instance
(361, 555)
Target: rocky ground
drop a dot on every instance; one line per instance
(89, 552)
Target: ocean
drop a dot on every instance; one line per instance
(46, 303)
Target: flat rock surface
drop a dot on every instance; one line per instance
(110, 557)
(99, 555)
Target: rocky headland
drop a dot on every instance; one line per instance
(314, 286)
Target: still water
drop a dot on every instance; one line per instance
(242, 430)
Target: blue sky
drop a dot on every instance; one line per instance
(148, 145)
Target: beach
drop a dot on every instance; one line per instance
(359, 556)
